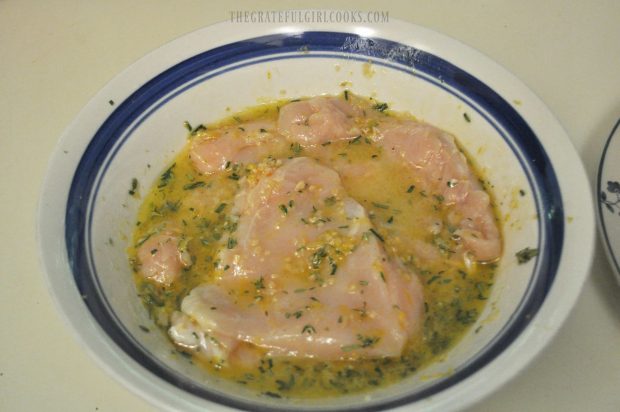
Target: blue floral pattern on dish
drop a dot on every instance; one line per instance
(613, 205)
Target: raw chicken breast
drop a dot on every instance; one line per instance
(437, 164)
(215, 149)
(318, 120)
(442, 170)
(304, 275)
(162, 257)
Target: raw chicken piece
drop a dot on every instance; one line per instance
(318, 120)
(234, 144)
(436, 162)
(162, 257)
(190, 337)
(442, 170)
(285, 212)
(304, 275)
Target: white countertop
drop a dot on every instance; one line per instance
(55, 55)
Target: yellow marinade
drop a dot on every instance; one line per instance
(454, 293)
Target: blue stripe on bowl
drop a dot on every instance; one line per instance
(148, 98)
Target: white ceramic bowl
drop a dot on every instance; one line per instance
(86, 215)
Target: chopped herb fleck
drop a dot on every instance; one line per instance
(356, 140)
(297, 314)
(309, 329)
(466, 316)
(380, 107)
(362, 311)
(286, 385)
(220, 208)
(481, 287)
(296, 148)
(165, 177)
(364, 342)
(259, 284)
(317, 258)
(367, 341)
(143, 239)
(232, 242)
(526, 254)
(410, 189)
(466, 117)
(194, 185)
(195, 131)
(134, 186)
(377, 235)
(442, 245)
(334, 269)
(283, 209)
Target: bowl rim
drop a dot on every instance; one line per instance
(93, 330)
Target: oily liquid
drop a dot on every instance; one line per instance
(199, 206)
